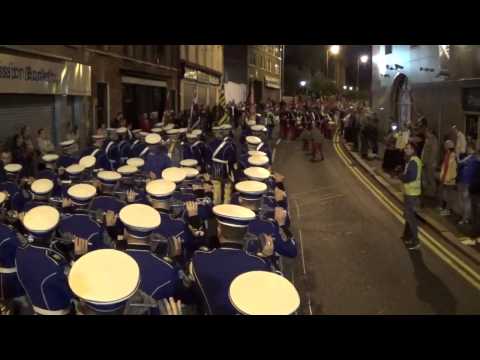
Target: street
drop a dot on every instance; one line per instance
(351, 258)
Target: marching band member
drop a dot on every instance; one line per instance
(159, 275)
(67, 156)
(10, 287)
(250, 195)
(113, 293)
(157, 158)
(213, 271)
(194, 148)
(41, 270)
(222, 157)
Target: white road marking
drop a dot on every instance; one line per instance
(273, 154)
(300, 238)
(312, 191)
(310, 304)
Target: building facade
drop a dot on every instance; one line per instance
(201, 71)
(259, 65)
(439, 82)
(57, 86)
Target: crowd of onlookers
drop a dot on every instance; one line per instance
(451, 166)
(26, 147)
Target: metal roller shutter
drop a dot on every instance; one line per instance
(202, 94)
(31, 110)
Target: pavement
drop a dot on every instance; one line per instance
(351, 259)
(447, 226)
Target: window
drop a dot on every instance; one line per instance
(252, 60)
(388, 49)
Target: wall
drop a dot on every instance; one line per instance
(236, 92)
(435, 97)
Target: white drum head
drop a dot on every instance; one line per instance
(88, 161)
(75, 169)
(42, 186)
(174, 174)
(191, 172)
(127, 170)
(137, 162)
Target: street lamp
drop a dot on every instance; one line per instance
(335, 50)
(344, 87)
(362, 59)
(350, 88)
(303, 84)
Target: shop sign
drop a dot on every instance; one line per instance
(214, 80)
(190, 74)
(23, 75)
(204, 78)
(272, 82)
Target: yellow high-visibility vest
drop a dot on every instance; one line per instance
(414, 188)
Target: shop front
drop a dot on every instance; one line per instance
(205, 85)
(272, 88)
(43, 94)
(142, 96)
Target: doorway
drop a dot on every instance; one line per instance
(102, 110)
(401, 100)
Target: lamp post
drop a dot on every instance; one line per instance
(335, 50)
(303, 83)
(361, 59)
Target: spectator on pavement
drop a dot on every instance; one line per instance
(474, 190)
(374, 135)
(430, 163)
(389, 155)
(448, 175)
(29, 154)
(460, 143)
(45, 146)
(466, 171)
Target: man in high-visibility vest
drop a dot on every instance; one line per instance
(412, 188)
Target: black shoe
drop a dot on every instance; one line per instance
(413, 246)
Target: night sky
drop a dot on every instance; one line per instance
(313, 56)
